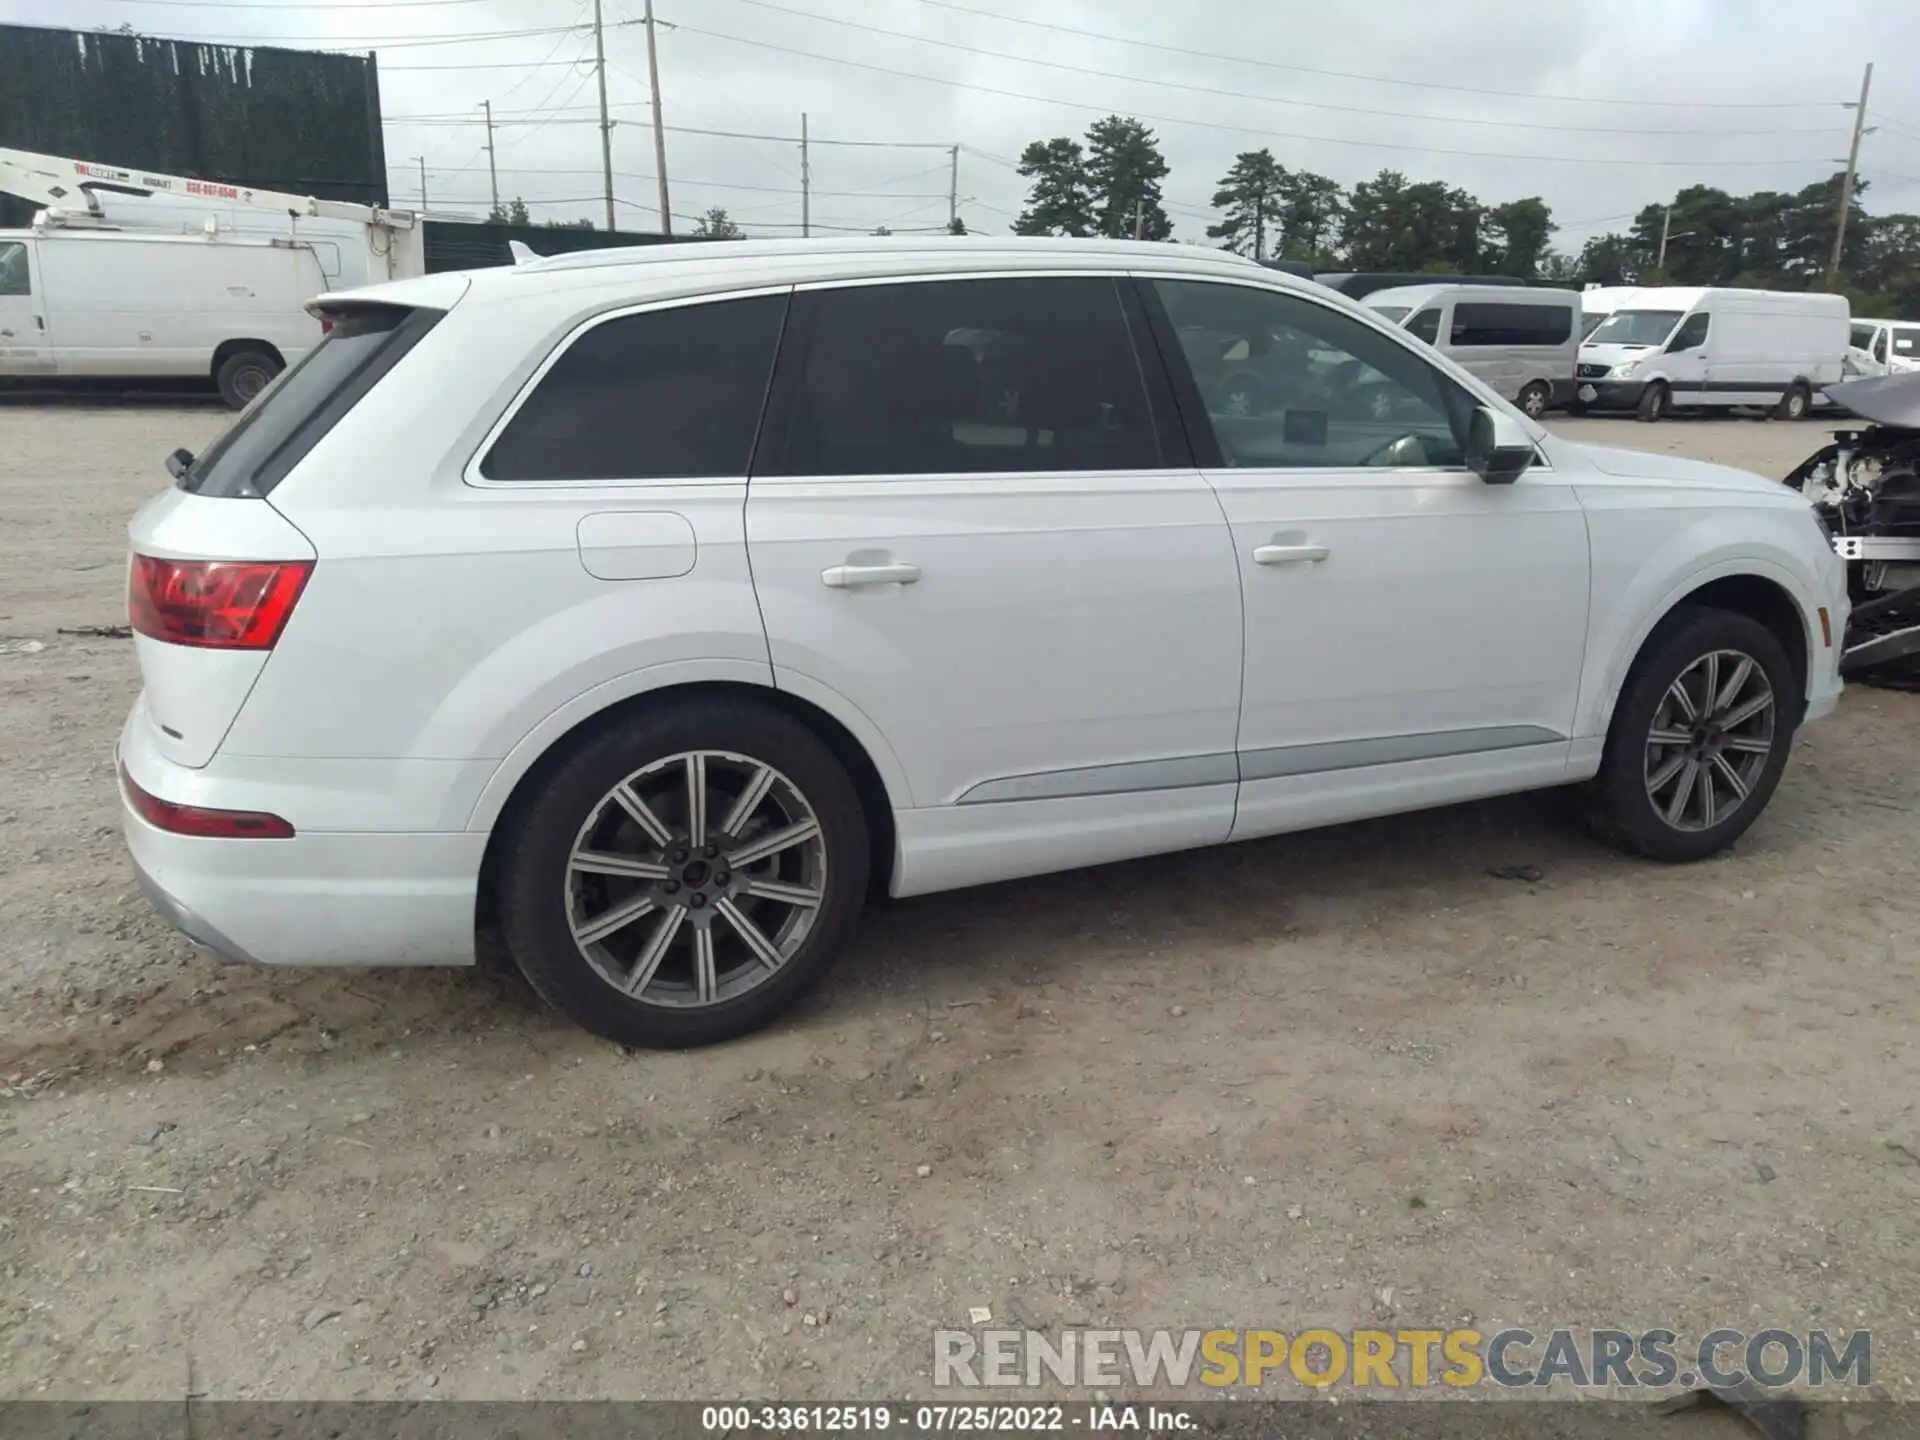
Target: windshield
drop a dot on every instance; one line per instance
(1395, 313)
(1636, 327)
(1860, 337)
(1588, 322)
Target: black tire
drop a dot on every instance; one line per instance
(538, 888)
(1655, 402)
(243, 375)
(1576, 407)
(1536, 399)
(1796, 404)
(1620, 808)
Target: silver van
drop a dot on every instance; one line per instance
(1522, 340)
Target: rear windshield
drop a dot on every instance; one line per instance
(288, 419)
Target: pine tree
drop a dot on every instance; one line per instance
(1250, 193)
(1124, 171)
(1061, 200)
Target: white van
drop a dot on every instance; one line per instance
(1675, 345)
(131, 306)
(1885, 347)
(1522, 340)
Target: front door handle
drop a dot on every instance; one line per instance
(855, 577)
(1288, 554)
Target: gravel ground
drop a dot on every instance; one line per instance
(1340, 1079)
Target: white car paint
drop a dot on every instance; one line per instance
(1089, 667)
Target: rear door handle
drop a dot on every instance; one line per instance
(1288, 554)
(856, 577)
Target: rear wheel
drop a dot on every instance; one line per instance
(1655, 402)
(1699, 738)
(1796, 404)
(685, 877)
(243, 375)
(1535, 399)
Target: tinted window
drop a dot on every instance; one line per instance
(1905, 342)
(1481, 324)
(1425, 326)
(671, 394)
(965, 376)
(1691, 334)
(1303, 385)
(288, 418)
(13, 269)
(1860, 337)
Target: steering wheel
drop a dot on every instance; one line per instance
(1401, 452)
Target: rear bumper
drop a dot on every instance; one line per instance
(320, 898)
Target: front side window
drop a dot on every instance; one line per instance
(1644, 328)
(1425, 326)
(1303, 386)
(967, 376)
(665, 395)
(1880, 346)
(14, 279)
(1691, 335)
(1478, 325)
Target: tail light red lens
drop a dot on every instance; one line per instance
(215, 604)
(326, 324)
(193, 820)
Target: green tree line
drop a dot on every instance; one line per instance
(1111, 184)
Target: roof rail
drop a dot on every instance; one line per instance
(674, 252)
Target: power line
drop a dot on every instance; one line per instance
(1216, 125)
(377, 42)
(520, 118)
(1263, 99)
(487, 65)
(698, 184)
(1625, 101)
(267, 9)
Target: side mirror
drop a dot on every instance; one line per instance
(1498, 450)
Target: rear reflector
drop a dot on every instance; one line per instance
(215, 604)
(192, 820)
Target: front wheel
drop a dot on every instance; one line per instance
(685, 877)
(1655, 402)
(1699, 737)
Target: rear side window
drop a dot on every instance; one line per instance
(967, 376)
(669, 394)
(307, 400)
(1480, 325)
(1425, 326)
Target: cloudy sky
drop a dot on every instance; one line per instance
(1598, 107)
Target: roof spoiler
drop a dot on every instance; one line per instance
(522, 254)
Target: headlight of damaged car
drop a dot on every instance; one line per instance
(1621, 371)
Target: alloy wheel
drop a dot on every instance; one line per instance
(695, 879)
(1712, 734)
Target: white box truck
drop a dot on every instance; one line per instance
(1671, 346)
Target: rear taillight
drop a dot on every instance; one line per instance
(326, 324)
(215, 604)
(193, 820)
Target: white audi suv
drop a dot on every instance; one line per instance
(654, 608)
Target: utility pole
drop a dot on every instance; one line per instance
(659, 130)
(953, 185)
(806, 182)
(1846, 185)
(1139, 219)
(1666, 224)
(606, 125)
(423, 182)
(493, 175)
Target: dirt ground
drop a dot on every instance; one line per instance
(1336, 1079)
